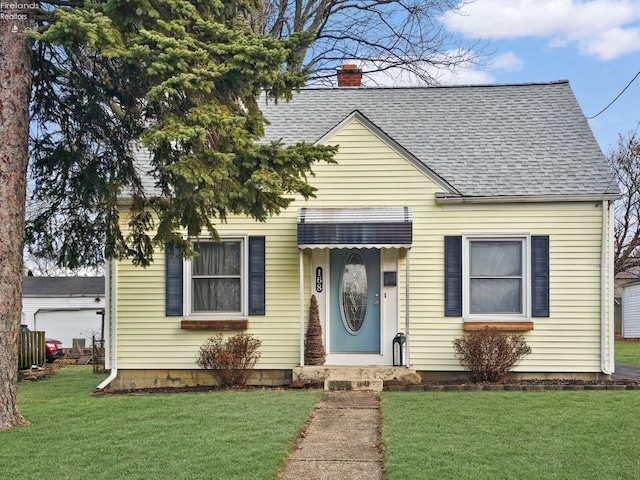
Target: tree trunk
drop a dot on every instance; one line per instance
(15, 87)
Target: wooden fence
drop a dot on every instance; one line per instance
(31, 349)
(617, 318)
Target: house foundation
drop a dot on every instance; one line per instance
(371, 378)
(142, 379)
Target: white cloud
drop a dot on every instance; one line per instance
(464, 74)
(396, 77)
(467, 76)
(613, 43)
(471, 75)
(508, 62)
(606, 29)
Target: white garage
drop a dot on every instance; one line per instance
(631, 310)
(64, 307)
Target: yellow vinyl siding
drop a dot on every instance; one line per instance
(149, 339)
(569, 340)
(369, 173)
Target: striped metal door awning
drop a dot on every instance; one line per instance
(383, 227)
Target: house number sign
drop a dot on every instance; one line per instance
(319, 279)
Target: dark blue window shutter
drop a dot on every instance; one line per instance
(173, 282)
(540, 276)
(453, 276)
(257, 277)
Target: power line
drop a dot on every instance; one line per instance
(614, 100)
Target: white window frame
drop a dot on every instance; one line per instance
(525, 316)
(244, 283)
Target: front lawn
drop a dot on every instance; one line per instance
(226, 435)
(508, 435)
(628, 351)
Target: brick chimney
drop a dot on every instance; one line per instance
(349, 76)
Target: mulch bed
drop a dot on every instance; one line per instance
(513, 385)
(194, 389)
(391, 386)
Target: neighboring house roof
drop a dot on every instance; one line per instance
(631, 283)
(490, 140)
(62, 286)
(622, 279)
(631, 273)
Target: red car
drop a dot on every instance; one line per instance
(53, 348)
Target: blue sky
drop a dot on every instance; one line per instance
(595, 44)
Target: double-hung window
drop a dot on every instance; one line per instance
(217, 278)
(496, 280)
(225, 281)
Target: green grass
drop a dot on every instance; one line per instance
(511, 435)
(627, 351)
(247, 434)
(225, 435)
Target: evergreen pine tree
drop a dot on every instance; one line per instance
(183, 79)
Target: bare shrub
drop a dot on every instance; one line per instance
(230, 361)
(489, 354)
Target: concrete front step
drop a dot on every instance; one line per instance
(333, 384)
(360, 378)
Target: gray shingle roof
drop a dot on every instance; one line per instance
(524, 139)
(62, 286)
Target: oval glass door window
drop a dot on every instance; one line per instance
(354, 292)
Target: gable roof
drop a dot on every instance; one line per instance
(390, 142)
(485, 141)
(62, 286)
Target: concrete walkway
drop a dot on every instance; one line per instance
(342, 440)
(626, 371)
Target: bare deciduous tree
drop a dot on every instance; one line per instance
(625, 162)
(378, 35)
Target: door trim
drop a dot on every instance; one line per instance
(389, 308)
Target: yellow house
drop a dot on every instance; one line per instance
(449, 208)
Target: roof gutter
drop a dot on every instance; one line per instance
(451, 199)
(605, 325)
(110, 309)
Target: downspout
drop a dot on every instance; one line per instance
(407, 303)
(604, 282)
(301, 262)
(110, 309)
